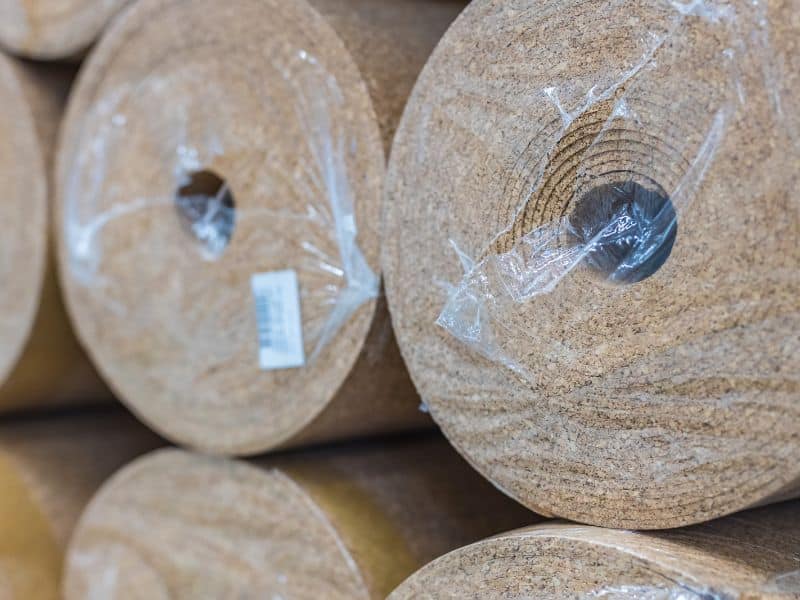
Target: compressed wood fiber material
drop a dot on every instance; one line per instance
(53, 29)
(293, 107)
(637, 395)
(346, 523)
(41, 362)
(49, 469)
(750, 555)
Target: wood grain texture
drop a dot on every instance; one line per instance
(349, 522)
(49, 470)
(654, 404)
(53, 29)
(293, 106)
(747, 556)
(41, 362)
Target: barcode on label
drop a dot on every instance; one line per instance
(280, 328)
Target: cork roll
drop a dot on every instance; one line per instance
(53, 29)
(49, 469)
(748, 556)
(349, 523)
(280, 116)
(651, 394)
(41, 362)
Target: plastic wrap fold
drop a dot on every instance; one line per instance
(629, 157)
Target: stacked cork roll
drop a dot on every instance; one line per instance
(256, 145)
(53, 29)
(290, 229)
(49, 470)
(591, 253)
(748, 556)
(346, 523)
(41, 362)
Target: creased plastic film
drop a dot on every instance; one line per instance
(329, 250)
(624, 215)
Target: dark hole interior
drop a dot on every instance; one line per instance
(628, 229)
(207, 209)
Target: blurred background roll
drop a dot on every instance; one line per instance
(53, 29)
(41, 362)
(49, 469)
(747, 556)
(591, 253)
(218, 162)
(349, 523)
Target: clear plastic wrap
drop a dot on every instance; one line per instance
(220, 182)
(785, 585)
(621, 222)
(592, 255)
(336, 277)
(631, 592)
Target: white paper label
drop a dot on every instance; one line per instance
(280, 328)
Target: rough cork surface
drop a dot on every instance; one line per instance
(49, 470)
(348, 523)
(657, 404)
(748, 556)
(41, 362)
(53, 29)
(179, 85)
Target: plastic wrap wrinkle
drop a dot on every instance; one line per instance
(635, 592)
(212, 221)
(626, 232)
(788, 582)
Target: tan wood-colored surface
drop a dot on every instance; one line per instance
(53, 29)
(654, 404)
(49, 469)
(344, 523)
(41, 362)
(747, 556)
(293, 108)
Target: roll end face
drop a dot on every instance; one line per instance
(583, 330)
(162, 188)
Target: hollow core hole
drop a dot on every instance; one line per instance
(207, 209)
(628, 230)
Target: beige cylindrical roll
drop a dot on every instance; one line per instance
(349, 523)
(49, 469)
(53, 29)
(591, 253)
(212, 190)
(748, 556)
(41, 362)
